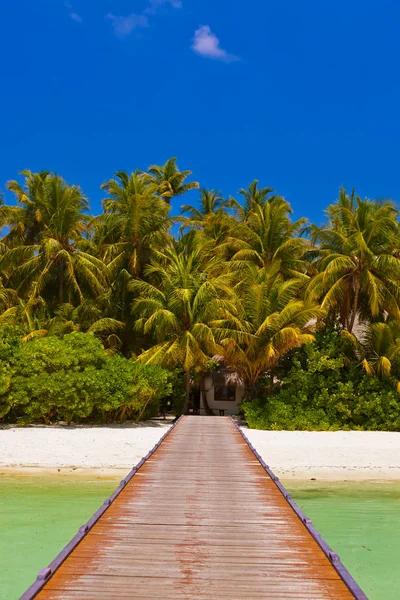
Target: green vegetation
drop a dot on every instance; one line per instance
(74, 378)
(321, 386)
(111, 317)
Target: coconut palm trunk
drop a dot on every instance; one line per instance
(61, 283)
(203, 392)
(185, 408)
(355, 306)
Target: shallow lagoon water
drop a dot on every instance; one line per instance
(361, 522)
(39, 515)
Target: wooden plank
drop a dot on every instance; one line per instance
(200, 519)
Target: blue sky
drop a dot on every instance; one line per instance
(303, 96)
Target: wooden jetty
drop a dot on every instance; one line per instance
(201, 516)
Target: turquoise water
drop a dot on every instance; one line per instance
(361, 522)
(38, 516)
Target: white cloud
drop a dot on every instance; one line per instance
(206, 43)
(75, 17)
(123, 26)
(155, 4)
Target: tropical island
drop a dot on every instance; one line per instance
(114, 325)
(128, 314)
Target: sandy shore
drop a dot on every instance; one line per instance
(77, 448)
(330, 455)
(108, 451)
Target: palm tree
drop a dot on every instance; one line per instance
(25, 220)
(134, 221)
(8, 303)
(378, 349)
(169, 181)
(85, 317)
(210, 217)
(270, 320)
(134, 224)
(211, 202)
(43, 251)
(357, 262)
(269, 237)
(179, 308)
(30, 315)
(253, 196)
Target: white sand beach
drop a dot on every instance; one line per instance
(336, 456)
(75, 448)
(330, 455)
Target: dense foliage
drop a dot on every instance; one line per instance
(103, 317)
(321, 386)
(74, 378)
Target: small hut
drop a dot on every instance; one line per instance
(222, 390)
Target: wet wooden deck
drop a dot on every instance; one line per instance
(200, 519)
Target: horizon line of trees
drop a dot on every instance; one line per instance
(241, 281)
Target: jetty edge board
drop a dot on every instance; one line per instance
(229, 533)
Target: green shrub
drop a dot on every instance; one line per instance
(5, 382)
(10, 341)
(321, 387)
(74, 378)
(132, 390)
(173, 402)
(56, 378)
